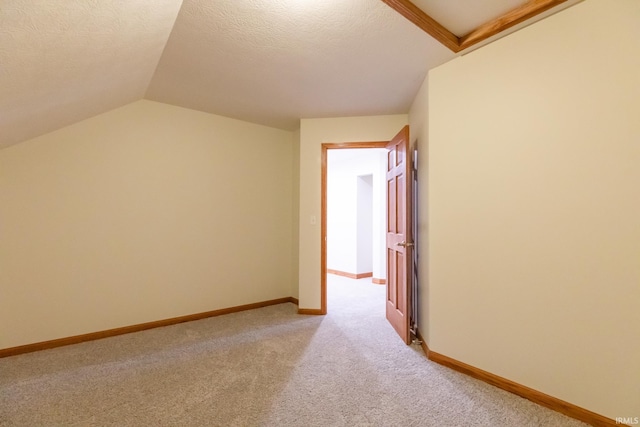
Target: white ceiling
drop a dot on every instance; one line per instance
(62, 61)
(463, 16)
(266, 61)
(275, 61)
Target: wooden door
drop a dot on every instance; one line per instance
(399, 246)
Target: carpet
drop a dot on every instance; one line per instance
(264, 367)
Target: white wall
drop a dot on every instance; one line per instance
(313, 133)
(143, 213)
(364, 250)
(380, 217)
(355, 232)
(342, 214)
(534, 206)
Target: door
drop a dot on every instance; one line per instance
(399, 246)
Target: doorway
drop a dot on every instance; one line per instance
(356, 213)
(398, 234)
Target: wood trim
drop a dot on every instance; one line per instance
(506, 21)
(350, 145)
(377, 281)
(312, 311)
(349, 275)
(323, 233)
(323, 214)
(426, 23)
(294, 300)
(44, 345)
(489, 29)
(423, 343)
(535, 396)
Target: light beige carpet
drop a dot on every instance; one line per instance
(266, 367)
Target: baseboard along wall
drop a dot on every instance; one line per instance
(311, 311)
(350, 275)
(29, 348)
(535, 396)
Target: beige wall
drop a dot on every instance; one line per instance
(143, 213)
(313, 133)
(419, 137)
(534, 207)
(296, 214)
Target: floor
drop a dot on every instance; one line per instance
(263, 367)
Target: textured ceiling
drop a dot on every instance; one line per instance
(62, 61)
(264, 61)
(276, 61)
(463, 16)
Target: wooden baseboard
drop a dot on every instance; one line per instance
(423, 343)
(349, 275)
(312, 311)
(13, 351)
(379, 281)
(535, 396)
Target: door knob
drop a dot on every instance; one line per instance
(405, 244)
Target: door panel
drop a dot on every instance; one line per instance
(399, 246)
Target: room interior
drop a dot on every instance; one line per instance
(356, 213)
(162, 159)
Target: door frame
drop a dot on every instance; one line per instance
(323, 215)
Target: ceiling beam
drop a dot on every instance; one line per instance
(414, 14)
(436, 30)
(508, 20)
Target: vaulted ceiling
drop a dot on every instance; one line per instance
(265, 61)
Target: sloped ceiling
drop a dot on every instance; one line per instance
(62, 61)
(275, 61)
(463, 16)
(265, 61)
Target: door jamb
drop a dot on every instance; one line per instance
(323, 216)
